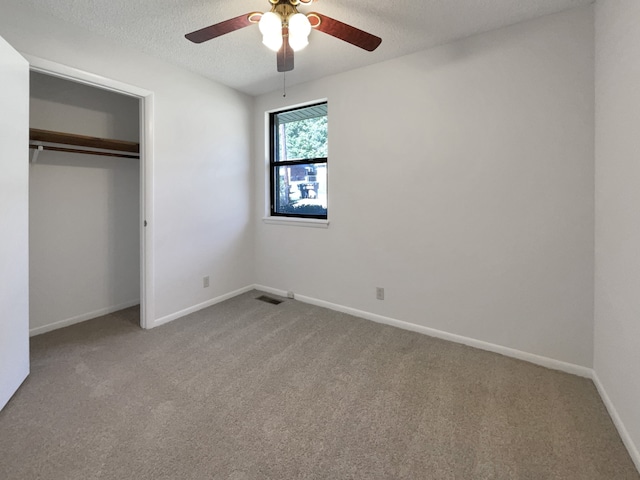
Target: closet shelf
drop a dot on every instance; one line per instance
(69, 142)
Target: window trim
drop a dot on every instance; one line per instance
(273, 166)
(296, 221)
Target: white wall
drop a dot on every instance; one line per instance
(62, 105)
(617, 240)
(461, 181)
(84, 210)
(201, 164)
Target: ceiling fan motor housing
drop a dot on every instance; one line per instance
(284, 8)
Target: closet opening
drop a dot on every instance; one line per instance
(86, 200)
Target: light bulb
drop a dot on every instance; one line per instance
(271, 28)
(274, 42)
(299, 30)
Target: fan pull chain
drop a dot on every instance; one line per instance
(284, 84)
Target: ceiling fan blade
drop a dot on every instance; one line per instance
(285, 57)
(345, 32)
(221, 28)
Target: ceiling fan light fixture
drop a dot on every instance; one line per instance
(271, 28)
(299, 30)
(273, 42)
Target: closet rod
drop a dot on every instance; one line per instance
(82, 141)
(78, 150)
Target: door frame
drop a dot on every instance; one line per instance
(146, 97)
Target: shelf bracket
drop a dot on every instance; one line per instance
(36, 152)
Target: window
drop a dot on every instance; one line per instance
(298, 162)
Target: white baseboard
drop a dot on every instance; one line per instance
(432, 332)
(81, 318)
(632, 448)
(200, 306)
(274, 291)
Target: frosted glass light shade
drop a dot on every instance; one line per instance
(271, 28)
(273, 42)
(299, 30)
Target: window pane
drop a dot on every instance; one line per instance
(303, 135)
(301, 189)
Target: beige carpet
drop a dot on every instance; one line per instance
(249, 390)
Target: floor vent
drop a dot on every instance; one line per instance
(273, 301)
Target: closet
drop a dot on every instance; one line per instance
(84, 202)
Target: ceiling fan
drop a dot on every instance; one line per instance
(285, 30)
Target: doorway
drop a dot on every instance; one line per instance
(110, 265)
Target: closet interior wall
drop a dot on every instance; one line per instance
(84, 210)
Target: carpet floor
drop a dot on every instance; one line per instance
(248, 390)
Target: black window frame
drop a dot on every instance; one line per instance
(275, 164)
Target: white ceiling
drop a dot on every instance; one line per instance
(239, 59)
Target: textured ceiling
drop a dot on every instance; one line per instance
(239, 59)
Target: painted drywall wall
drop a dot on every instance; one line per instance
(617, 239)
(58, 103)
(201, 184)
(461, 181)
(14, 203)
(84, 210)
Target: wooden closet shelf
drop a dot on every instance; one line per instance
(48, 136)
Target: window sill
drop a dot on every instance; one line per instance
(297, 222)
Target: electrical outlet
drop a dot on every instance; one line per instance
(205, 282)
(290, 294)
(380, 293)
